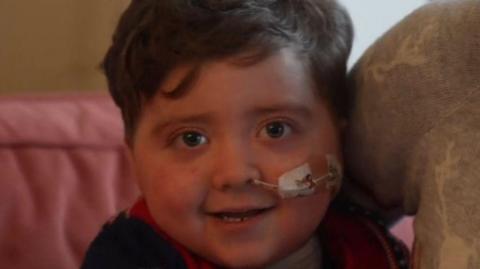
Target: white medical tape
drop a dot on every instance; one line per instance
(300, 181)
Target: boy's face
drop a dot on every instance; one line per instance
(196, 155)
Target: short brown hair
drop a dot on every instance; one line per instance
(155, 36)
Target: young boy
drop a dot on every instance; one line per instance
(225, 102)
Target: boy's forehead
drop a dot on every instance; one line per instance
(284, 66)
(278, 83)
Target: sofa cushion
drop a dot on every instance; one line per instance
(414, 132)
(64, 171)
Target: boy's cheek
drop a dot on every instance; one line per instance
(305, 212)
(169, 198)
(168, 183)
(160, 182)
(312, 209)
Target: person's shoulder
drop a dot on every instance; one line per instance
(127, 242)
(358, 238)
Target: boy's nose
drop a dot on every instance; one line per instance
(235, 167)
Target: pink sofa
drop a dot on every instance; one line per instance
(63, 172)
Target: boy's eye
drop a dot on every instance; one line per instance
(193, 139)
(277, 129)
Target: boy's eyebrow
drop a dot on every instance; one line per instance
(299, 110)
(206, 118)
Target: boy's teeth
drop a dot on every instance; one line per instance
(232, 219)
(238, 216)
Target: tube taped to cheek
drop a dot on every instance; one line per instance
(296, 182)
(301, 182)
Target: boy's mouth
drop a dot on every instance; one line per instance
(239, 216)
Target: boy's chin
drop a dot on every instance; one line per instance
(250, 259)
(246, 263)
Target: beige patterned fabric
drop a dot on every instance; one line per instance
(413, 142)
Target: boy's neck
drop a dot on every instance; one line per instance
(308, 256)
